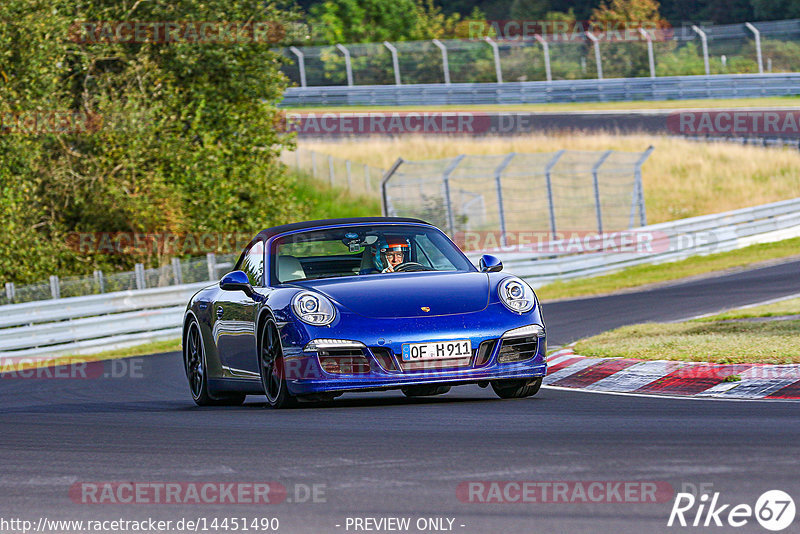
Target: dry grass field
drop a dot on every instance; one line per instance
(682, 178)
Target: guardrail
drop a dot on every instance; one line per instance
(670, 241)
(88, 324)
(557, 91)
(82, 325)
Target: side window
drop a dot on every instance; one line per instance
(253, 263)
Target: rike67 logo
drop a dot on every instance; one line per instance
(774, 510)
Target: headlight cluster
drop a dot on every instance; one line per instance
(313, 308)
(516, 295)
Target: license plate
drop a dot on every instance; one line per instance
(437, 350)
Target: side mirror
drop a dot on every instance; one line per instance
(490, 264)
(236, 281)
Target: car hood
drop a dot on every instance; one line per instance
(407, 294)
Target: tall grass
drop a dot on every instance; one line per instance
(681, 178)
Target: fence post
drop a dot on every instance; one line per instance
(330, 169)
(451, 222)
(650, 57)
(384, 181)
(395, 62)
(176, 271)
(347, 167)
(297, 158)
(704, 40)
(596, 44)
(547, 169)
(100, 280)
(211, 261)
(758, 46)
(445, 64)
(367, 185)
(301, 64)
(138, 274)
(546, 49)
(348, 67)
(639, 189)
(499, 186)
(10, 291)
(498, 71)
(55, 288)
(596, 183)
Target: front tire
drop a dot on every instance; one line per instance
(517, 389)
(194, 361)
(272, 369)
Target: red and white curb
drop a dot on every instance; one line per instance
(622, 375)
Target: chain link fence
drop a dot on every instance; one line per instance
(178, 272)
(357, 178)
(723, 49)
(545, 192)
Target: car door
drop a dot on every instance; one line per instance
(235, 314)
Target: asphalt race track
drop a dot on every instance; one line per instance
(380, 455)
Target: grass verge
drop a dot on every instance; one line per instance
(325, 202)
(718, 339)
(643, 275)
(576, 106)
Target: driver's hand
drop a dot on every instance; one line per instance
(388, 269)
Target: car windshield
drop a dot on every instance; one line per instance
(363, 251)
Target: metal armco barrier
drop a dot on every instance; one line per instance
(557, 91)
(98, 322)
(670, 241)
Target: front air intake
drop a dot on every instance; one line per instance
(518, 349)
(343, 361)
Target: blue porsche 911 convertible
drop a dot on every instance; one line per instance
(319, 308)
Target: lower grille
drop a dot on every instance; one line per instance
(344, 361)
(518, 349)
(485, 350)
(384, 357)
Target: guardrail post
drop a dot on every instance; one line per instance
(498, 172)
(55, 287)
(100, 280)
(348, 170)
(445, 64)
(211, 261)
(395, 62)
(596, 44)
(546, 49)
(650, 57)
(348, 67)
(451, 222)
(758, 46)
(301, 64)
(596, 183)
(498, 71)
(177, 273)
(547, 169)
(384, 181)
(10, 291)
(330, 169)
(138, 273)
(704, 40)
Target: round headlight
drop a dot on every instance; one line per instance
(313, 308)
(516, 295)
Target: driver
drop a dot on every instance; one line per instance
(391, 253)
